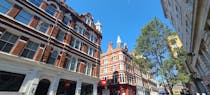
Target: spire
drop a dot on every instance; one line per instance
(119, 39)
(119, 42)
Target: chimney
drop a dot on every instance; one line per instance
(110, 47)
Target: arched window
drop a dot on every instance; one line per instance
(42, 27)
(51, 9)
(43, 86)
(36, 2)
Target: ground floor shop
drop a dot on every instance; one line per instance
(26, 77)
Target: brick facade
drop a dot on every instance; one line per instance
(44, 47)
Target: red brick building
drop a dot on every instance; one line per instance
(117, 69)
(46, 48)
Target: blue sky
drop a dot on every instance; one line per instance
(120, 17)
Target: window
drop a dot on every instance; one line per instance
(53, 57)
(7, 41)
(66, 19)
(42, 27)
(113, 68)
(105, 60)
(73, 64)
(70, 63)
(51, 9)
(90, 51)
(113, 58)
(88, 21)
(67, 64)
(10, 82)
(79, 29)
(121, 57)
(30, 50)
(77, 44)
(5, 6)
(60, 36)
(36, 2)
(23, 17)
(92, 37)
(121, 66)
(72, 42)
(105, 69)
(88, 69)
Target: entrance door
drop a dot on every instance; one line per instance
(42, 87)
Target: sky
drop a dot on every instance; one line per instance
(120, 17)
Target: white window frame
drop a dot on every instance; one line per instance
(59, 34)
(105, 69)
(113, 67)
(122, 66)
(8, 40)
(38, 27)
(105, 60)
(113, 58)
(54, 57)
(29, 49)
(80, 28)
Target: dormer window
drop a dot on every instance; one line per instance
(66, 19)
(51, 9)
(88, 21)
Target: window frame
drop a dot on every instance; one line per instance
(6, 8)
(29, 49)
(39, 27)
(36, 2)
(122, 66)
(67, 17)
(8, 41)
(50, 11)
(22, 17)
(55, 58)
(60, 36)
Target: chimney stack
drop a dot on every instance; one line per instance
(110, 47)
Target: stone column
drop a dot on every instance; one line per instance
(30, 83)
(78, 88)
(95, 89)
(54, 85)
